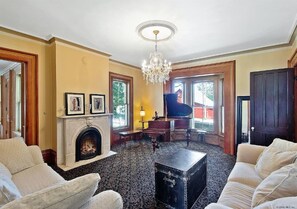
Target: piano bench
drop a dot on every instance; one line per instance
(124, 135)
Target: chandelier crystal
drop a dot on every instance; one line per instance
(157, 69)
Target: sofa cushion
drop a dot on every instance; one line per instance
(8, 190)
(245, 173)
(69, 194)
(285, 202)
(273, 159)
(280, 183)
(36, 178)
(4, 171)
(15, 155)
(105, 200)
(236, 195)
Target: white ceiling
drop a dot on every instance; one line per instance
(204, 27)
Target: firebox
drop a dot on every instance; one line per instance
(88, 144)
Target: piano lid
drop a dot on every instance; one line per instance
(174, 108)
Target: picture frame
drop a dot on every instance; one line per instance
(97, 103)
(75, 103)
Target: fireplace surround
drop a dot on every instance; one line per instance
(69, 129)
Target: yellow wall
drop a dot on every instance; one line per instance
(294, 46)
(249, 62)
(79, 71)
(144, 95)
(11, 41)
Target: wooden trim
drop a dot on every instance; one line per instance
(55, 39)
(49, 156)
(228, 70)
(292, 63)
(31, 90)
(129, 79)
(12, 102)
(4, 107)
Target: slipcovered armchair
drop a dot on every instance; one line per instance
(27, 182)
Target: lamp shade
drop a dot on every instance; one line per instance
(142, 113)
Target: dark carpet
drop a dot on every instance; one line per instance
(131, 171)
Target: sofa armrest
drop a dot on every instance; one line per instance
(36, 154)
(216, 206)
(249, 153)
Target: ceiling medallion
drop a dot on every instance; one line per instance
(157, 69)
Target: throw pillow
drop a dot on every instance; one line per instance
(284, 145)
(69, 194)
(8, 191)
(273, 159)
(4, 171)
(15, 155)
(285, 202)
(280, 183)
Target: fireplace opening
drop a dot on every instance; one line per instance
(88, 144)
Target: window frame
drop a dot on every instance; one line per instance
(129, 82)
(188, 86)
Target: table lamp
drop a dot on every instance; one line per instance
(142, 114)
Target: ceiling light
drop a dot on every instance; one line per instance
(157, 69)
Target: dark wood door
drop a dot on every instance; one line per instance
(272, 102)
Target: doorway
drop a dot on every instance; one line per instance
(11, 100)
(29, 91)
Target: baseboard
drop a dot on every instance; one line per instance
(49, 156)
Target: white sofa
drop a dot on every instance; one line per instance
(262, 178)
(27, 182)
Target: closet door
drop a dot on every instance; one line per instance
(272, 102)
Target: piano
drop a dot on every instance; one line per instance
(176, 117)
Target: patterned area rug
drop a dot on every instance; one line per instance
(131, 171)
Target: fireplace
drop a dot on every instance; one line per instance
(88, 144)
(69, 128)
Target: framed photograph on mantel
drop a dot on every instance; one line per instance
(97, 103)
(75, 103)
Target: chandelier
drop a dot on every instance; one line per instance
(158, 69)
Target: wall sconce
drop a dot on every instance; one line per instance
(142, 114)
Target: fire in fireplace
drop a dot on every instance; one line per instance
(88, 144)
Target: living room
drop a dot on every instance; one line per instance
(62, 64)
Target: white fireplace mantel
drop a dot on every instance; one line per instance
(68, 129)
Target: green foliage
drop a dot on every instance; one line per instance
(119, 98)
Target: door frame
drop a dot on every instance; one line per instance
(292, 63)
(30, 113)
(228, 70)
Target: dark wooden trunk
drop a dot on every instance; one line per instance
(180, 178)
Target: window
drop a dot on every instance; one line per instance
(204, 95)
(121, 101)
(203, 105)
(221, 102)
(179, 89)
